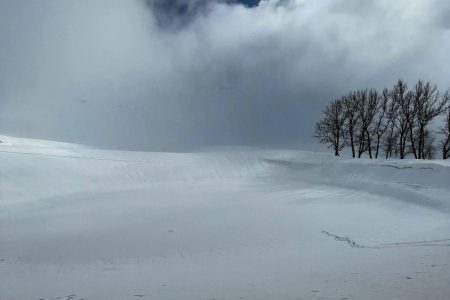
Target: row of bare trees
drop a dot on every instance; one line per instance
(396, 122)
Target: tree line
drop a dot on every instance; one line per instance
(395, 122)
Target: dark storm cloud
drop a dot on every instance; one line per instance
(110, 73)
(174, 14)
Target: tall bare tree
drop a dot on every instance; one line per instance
(367, 102)
(330, 130)
(428, 104)
(382, 120)
(403, 118)
(445, 131)
(360, 98)
(390, 139)
(350, 106)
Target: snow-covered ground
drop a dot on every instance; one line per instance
(236, 223)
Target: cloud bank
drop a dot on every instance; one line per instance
(129, 74)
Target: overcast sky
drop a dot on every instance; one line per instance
(179, 75)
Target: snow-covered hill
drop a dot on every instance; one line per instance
(231, 223)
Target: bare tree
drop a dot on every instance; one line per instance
(390, 140)
(382, 120)
(330, 130)
(367, 103)
(360, 99)
(373, 102)
(350, 106)
(395, 121)
(445, 131)
(403, 118)
(428, 104)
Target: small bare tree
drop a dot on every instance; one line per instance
(445, 131)
(330, 130)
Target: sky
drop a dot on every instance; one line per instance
(178, 75)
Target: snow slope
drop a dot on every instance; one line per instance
(235, 223)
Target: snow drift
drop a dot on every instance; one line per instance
(227, 223)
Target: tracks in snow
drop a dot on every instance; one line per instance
(425, 243)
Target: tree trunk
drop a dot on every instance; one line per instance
(446, 149)
(378, 147)
(352, 143)
(402, 146)
(413, 146)
(422, 141)
(369, 143)
(360, 147)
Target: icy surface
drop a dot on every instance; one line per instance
(234, 223)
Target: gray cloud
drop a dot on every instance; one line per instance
(176, 14)
(107, 73)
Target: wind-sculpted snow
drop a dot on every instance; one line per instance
(32, 169)
(419, 182)
(39, 170)
(224, 223)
